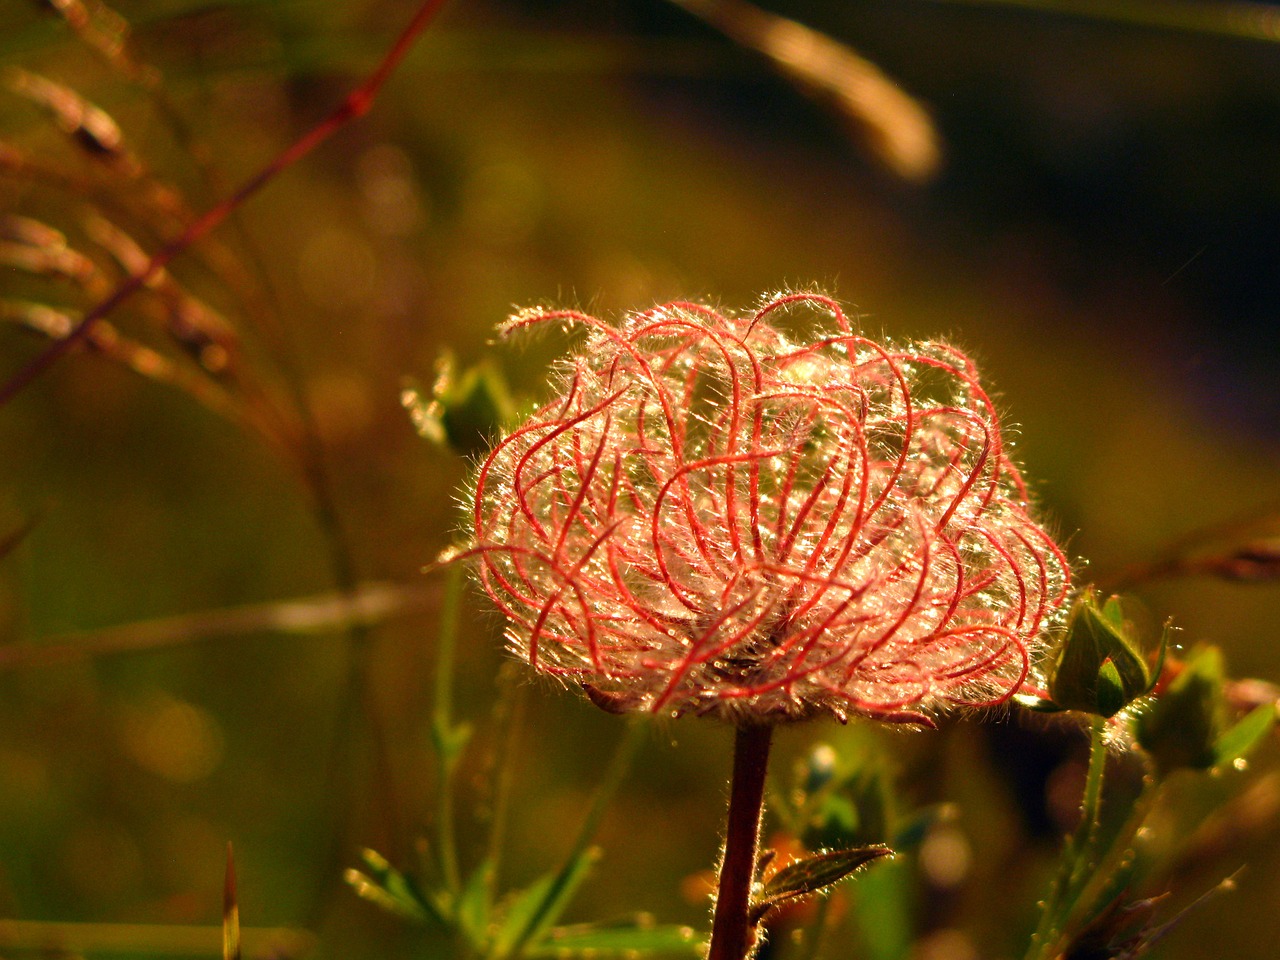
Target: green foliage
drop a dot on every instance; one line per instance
(837, 804)
(523, 922)
(383, 885)
(1187, 728)
(519, 922)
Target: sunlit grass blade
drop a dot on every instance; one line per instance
(539, 906)
(230, 911)
(383, 885)
(892, 126)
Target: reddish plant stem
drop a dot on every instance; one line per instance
(355, 105)
(732, 936)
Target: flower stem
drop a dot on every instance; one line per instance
(1079, 856)
(731, 934)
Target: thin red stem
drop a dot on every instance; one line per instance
(355, 105)
(732, 936)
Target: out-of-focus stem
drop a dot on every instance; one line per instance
(446, 643)
(731, 935)
(604, 792)
(816, 931)
(512, 722)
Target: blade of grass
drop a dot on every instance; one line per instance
(892, 125)
(448, 737)
(230, 911)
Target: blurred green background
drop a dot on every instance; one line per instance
(1103, 234)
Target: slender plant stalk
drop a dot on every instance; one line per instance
(731, 933)
(604, 792)
(514, 699)
(1228, 18)
(1078, 857)
(1100, 886)
(1090, 806)
(817, 930)
(442, 722)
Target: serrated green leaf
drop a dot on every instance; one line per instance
(533, 912)
(1246, 734)
(816, 873)
(640, 937)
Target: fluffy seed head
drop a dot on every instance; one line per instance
(713, 518)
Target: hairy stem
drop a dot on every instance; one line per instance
(731, 935)
(1079, 856)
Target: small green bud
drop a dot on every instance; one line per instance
(1186, 726)
(1183, 725)
(467, 408)
(1100, 668)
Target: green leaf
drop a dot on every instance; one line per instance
(466, 409)
(1112, 613)
(1182, 727)
(474, 907)
(640, 936)
(384, 885)
(533, 911)
(1246, 734)
(815, 873)
(1111, 697)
